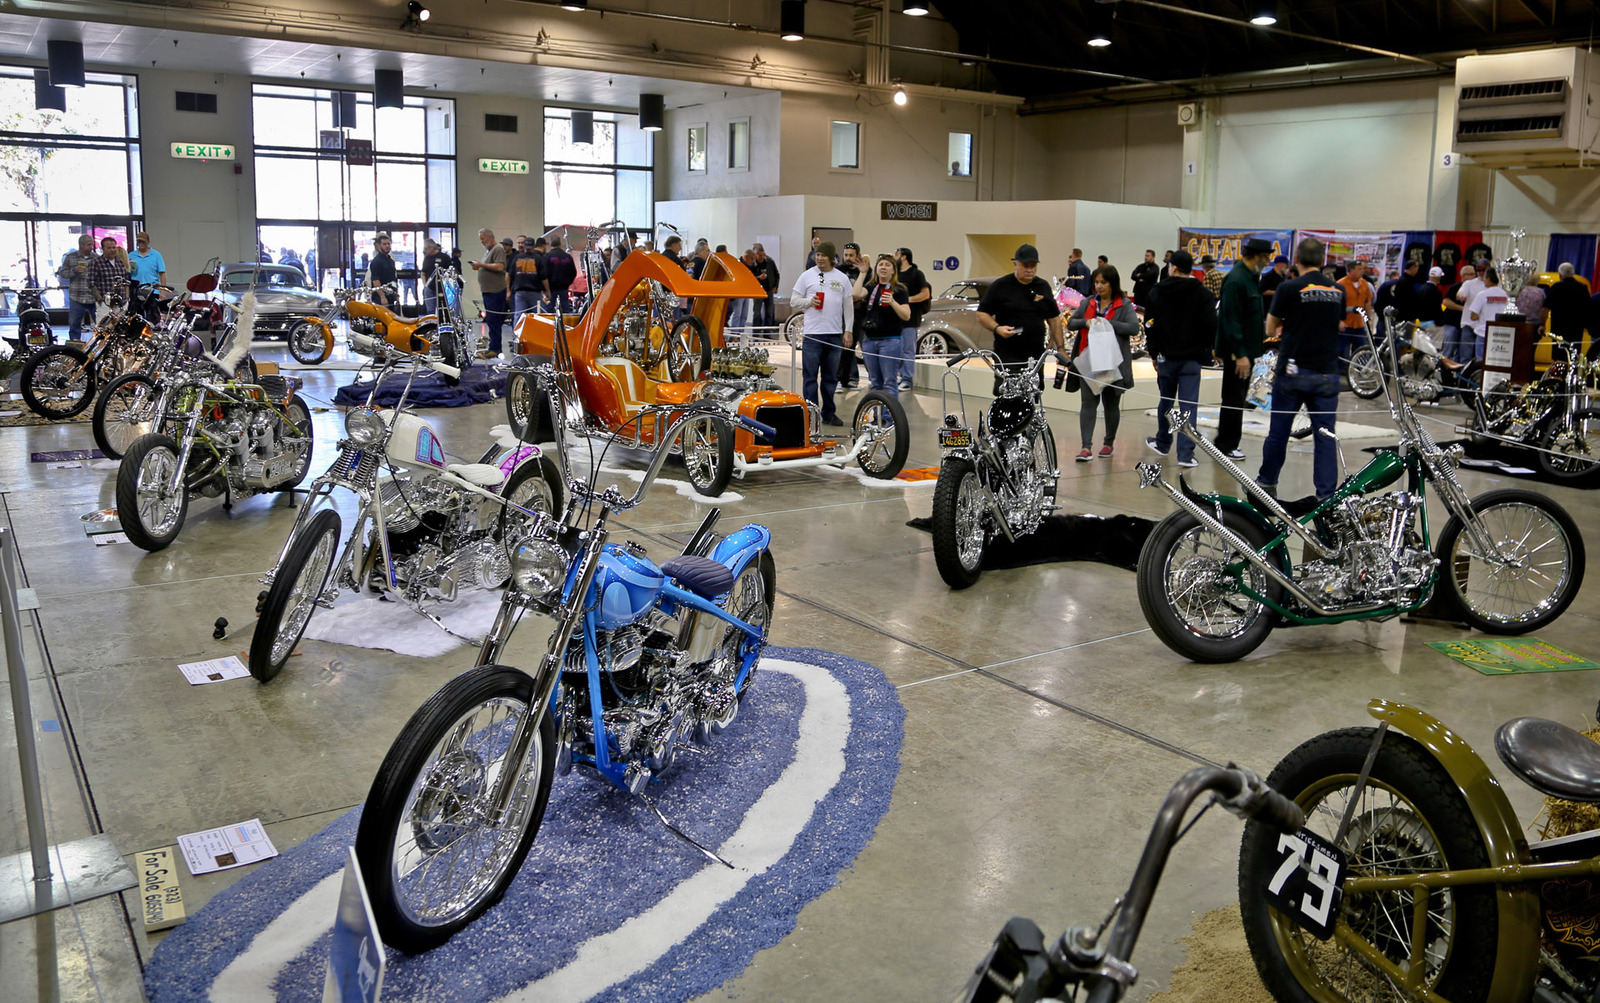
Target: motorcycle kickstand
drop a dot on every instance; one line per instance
(434, 619)
(711, 855)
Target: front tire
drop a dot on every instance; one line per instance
(432, 858)
(300, 580)
(707, 444)
(1190, 601)
(960, 526)
(151, 516)
(124, 411)
(310, 343)
(1411, 818)
(535, 484)
(1572, 448)
(882, 418)
(58, 382)
(1366, 374)
(794, 330)
(1537, 573)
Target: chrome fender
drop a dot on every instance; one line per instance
(1516, 965)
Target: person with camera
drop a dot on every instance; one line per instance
(885, 311)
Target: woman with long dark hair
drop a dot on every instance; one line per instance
(1107, 302)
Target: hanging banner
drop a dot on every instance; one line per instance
(1381, 251)
(1224, 244)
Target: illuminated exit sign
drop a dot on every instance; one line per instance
(202, 151)
(488, 166)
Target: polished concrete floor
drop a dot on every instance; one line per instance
(1044, 720)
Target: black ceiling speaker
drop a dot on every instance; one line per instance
(46, 96)
(582, 127)
(652, 112)
(388, 89)
(66, 63)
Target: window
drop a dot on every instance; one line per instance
(846, 146)
(960, 155)
(697, 149)
(499, 123)
(739, 144)
(610, 178)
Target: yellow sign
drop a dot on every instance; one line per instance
(488, 165)
(202, 151)
(158, 889)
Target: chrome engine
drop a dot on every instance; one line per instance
(1419, 368)
(1381, 558)
(1032, 494)
(439, 539)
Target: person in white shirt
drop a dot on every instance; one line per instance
(1490, 302)
(825, 294)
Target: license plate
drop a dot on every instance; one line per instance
(955, 438)
(1308, 882)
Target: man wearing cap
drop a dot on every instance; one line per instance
(825, 294)
(1272, 278)
(1212, 276)
(1241, 318)
(1018, 308)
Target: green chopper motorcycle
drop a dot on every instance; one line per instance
(1216, 576)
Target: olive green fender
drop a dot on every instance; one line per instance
(1516, 965)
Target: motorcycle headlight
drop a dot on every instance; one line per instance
(363, 426)
(539, 567)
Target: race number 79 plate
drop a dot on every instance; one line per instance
(955, 438)
(1307, 885)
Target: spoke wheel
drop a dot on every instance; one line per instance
(1572, 448)
(881, 422)
(933, 343)
(299, 582)
(707, 443)
(1190, 598)
(298, 425)
(434, 852)
(1366, 374)
(960, 523)
(688, 351)
(310, 342)
(58, 382)
(124, 411)
(535, 485)
(1411, 818)
(1533, 574)
(151, 514)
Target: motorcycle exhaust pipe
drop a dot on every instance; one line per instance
(1151, 472)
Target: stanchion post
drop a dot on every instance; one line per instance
(22, 708)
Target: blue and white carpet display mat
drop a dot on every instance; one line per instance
(609, 905)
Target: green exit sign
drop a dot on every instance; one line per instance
(202, 151)
(488, 166)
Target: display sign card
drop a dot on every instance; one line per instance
(1506, 656)
(65, 465)
(159, 893)
(355, 955)
(230, 846)
(59, 455)
(214, 670)
(108, 539)
(1499, 347)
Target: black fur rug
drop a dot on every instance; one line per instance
(1115, 541)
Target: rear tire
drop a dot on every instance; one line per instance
(882, 416)
(1572, 449)
(960, 530)
(124, 411)
(527, 405)
(688, 351)
(58, 382)
(707, 446)
(1366, 374)
(1411, 818)
(535, 484)
(300, 580)
(300, 417)
(428, 800)
(150, 516)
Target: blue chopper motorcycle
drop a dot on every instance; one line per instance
(641, 658)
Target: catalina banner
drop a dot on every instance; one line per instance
(1224, 244)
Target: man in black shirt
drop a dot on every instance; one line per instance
(766, 271)
(1273, 277)
(918, 292)
(1019, 308)
(1568, 303)
(433, 260)
(851, 267)
(1306, 313)
(1145, 275)
(382, 270)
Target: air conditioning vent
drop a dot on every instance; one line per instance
(1527, 127)
(1533, 89)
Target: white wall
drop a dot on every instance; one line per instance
(903, 149)
(1132, 154)
(761, 178)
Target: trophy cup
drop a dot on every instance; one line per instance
(1515, 271)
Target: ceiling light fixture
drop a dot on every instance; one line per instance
(1266, 15)
(65, 63)
(582, 128)
(792, 20)
(1099, 40)
(652, 112)
(576, 6)
(900, 96)
(418, 11)
(913, 8)
(45, 96)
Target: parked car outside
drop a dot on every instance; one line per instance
(284, 296)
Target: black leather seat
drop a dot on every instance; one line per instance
(701, 575)
(1553, 758)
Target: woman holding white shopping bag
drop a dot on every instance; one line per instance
(1102, 356)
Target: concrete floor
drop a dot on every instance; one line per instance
(1044, 720)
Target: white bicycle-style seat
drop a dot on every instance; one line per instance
(484, 475)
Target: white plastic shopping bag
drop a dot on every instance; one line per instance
(1104, 352)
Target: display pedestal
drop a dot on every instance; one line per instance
(1508, 349)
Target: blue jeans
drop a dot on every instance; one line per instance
(77, 313)
(820, 358)
(494, 313)
(883, 357)
(1319, 392)
(908, 346)
(1453, 343)
(1177, 379)
(524, 301)
(739, 315)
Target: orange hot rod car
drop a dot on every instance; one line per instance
(628, 354)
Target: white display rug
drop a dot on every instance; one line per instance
(394, 626)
